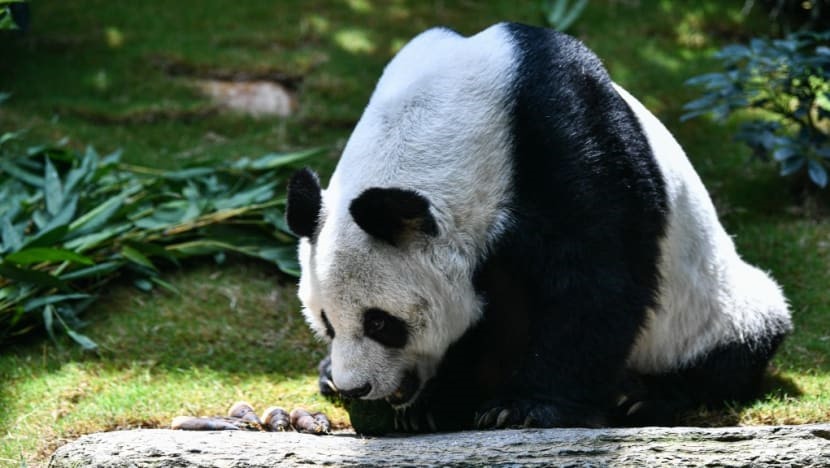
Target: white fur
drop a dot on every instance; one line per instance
(708, 295)
(436, 123)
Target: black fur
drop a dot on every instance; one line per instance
(589, 210)
(391, 214)
(386, 329)
(302, 210)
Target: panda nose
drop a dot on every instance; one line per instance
(357, 392)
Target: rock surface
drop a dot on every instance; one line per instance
(807, 445)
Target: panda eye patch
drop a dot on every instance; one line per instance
(384, 328)
(327, 324)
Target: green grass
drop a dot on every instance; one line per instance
(235, 332)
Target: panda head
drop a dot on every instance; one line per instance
(379, 283)
(389, 249)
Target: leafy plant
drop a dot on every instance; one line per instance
(70, 223)
(8, 18)
(785, 84)
(561, 14)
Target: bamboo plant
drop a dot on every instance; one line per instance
(72, 222)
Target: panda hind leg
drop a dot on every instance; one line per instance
(731, 373)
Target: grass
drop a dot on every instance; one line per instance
(235, 332)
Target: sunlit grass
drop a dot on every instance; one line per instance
(233, 334)
(356, 41)
(86, 397)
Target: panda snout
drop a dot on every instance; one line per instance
(358, 392)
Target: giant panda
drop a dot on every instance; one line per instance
(512, 239)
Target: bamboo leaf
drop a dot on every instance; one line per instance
(88, 207)
(284, 257)
(84, 243)
(187, 174)
(91, 159)
(203, 247)
(45, 237)
(165, 285)
(65, 215)
(33, 304)
(275, 160)
(8, 292)
(48, 320)
(74, 177)
(96, 217)
(96, 270)
(52, 188)
(21, 174)
(248, 197)
(83, 340)
(137, 257)
(151, 223)
(46, 254)
(31, 276)
(154, 250)
(112, 158)
(11, 238)
(7, 136)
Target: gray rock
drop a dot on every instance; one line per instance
(807, 445)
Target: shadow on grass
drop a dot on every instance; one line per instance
(773, 385)
(780, 386)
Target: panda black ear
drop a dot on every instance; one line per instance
(302, 210)
(392, 214)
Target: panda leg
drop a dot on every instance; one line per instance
(572, 353)
(731, 373)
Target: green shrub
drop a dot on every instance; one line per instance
(71, 222)
(8, 19)
(785, 84)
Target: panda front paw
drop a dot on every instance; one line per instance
(325, 382)
(645, 412)
(532, 413)
(515, 413)
(415, 420)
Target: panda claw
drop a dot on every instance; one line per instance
(622, 401)
(431, 423)
(404, 422)
(502, 418)
(481, 423)
(489, 418)
(634, 408)
(412, 421)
